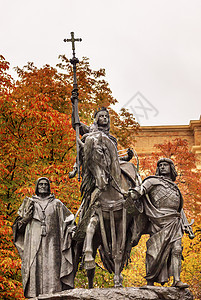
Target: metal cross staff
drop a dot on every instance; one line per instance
(74, 97)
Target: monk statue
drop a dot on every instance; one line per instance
(163, 205)
(43, 237)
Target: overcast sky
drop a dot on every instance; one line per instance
(151, 49)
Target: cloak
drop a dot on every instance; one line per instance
(162, 205)
(47, 259)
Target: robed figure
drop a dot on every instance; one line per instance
(163, 205)
(43, 237)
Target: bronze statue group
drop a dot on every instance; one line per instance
(116, 210)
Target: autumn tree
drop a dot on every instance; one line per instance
(10, 284)
(37, 140)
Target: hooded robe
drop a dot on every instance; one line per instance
(46, 253)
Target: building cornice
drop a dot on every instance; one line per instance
(167, 128)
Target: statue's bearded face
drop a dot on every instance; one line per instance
(103, 118)
(43, 187)
(164, 168)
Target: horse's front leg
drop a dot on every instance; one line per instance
(117, 276)
(91, 272)
(120, 247)
(89, 260)
(90, 275)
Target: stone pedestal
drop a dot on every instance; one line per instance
(131, 293)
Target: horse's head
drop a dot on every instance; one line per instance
(101, 159)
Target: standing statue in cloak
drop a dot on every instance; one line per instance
(163, 205)
(43, 237)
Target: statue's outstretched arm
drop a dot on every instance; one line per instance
(186, 225)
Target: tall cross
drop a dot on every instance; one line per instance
(74, 98)
(73, 40)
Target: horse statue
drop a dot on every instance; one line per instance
(104, 223)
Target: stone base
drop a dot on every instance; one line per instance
(131, 293)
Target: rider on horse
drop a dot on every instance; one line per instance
(102, 196)
(101, 123)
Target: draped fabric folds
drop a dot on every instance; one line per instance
(162, 205)
(47, 259)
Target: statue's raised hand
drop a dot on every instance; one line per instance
(28, 212)
(74, 95)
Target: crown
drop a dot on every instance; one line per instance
(100, 109)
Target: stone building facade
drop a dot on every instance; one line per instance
(148, 136)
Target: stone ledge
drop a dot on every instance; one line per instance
(131, 293)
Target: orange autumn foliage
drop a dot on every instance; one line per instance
(37, 139)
